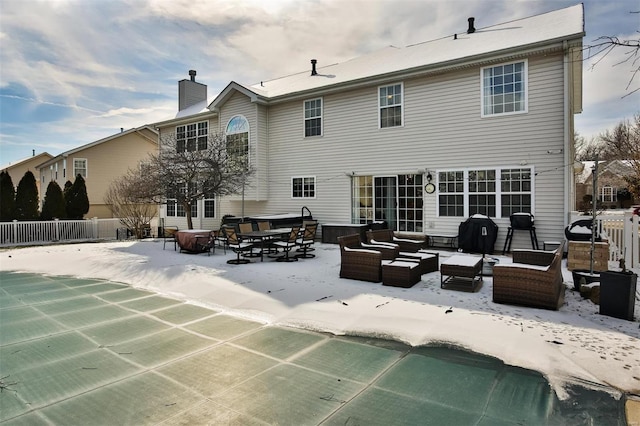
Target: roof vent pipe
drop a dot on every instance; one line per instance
(192, 74)
(471, 29)
(313, 67)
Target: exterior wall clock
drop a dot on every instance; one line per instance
(429, 188)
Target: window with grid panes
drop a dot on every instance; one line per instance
(390, 105)
(504, 89)
(410, 203)
(482, 192)
(192, 137)
(516, 189)
(313, 117)
(303, 187)
(451, 193)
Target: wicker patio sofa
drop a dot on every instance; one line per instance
(387, 236)
(533, 279)
(359, 263)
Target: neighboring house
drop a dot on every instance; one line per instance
(19, 168)
(611, 185)
(99, 163)
(486, 115)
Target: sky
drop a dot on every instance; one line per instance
(76, 71)
(573, 344)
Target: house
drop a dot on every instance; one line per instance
(99, 163)
(30, 164)
(422, 136)
(611, 190)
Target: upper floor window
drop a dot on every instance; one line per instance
(80, 167)
(504, 89)
(192, 137)
(313, 117)
(237, 134)
(303, 187)
(390, 101)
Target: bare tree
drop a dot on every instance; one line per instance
(199, 168)
(604, 45)
(128, 201)
(623, 143)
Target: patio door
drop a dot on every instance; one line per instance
(385, 200)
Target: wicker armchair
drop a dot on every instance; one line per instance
(359, 263)
(387, 236)
(533, 279)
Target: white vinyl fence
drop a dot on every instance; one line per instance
(622, 231)
(47, 231)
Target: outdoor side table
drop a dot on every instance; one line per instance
(461, 272)
(401, 273)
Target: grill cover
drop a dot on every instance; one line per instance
(470, 238)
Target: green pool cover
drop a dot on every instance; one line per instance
(93, 352)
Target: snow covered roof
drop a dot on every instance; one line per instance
(528, 33)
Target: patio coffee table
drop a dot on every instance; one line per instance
(461, 272)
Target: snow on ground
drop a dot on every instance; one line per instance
(574, 344)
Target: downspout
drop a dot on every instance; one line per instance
(568, 149)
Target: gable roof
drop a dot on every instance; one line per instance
(618, 168)
(22, 161)
(511, 37)
(98, 142)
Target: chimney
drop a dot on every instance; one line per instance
(471, 29)
(33, 152)
(190, 92)
(313, 67)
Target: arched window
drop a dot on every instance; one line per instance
(237, 134)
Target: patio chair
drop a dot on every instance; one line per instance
(221, 238)
(358, 263)
(287, 245)
(169, 234)
(306, 241)
(237, 245)
(533, 279)
(387, 236)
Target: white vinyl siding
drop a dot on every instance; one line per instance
(441, 130)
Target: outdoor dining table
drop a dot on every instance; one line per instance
(192, 240)
(266, 236)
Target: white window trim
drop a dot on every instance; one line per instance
(498, 193)
(526, 90)
(321, 117)
(248, 134)
(380, 107)
(196, 124)
(86, 168)
(315, 187)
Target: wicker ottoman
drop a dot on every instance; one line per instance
(428, 261)
(401, 272)
(460, 272)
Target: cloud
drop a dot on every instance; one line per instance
(125, 112)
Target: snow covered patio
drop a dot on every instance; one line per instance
(573, 345)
